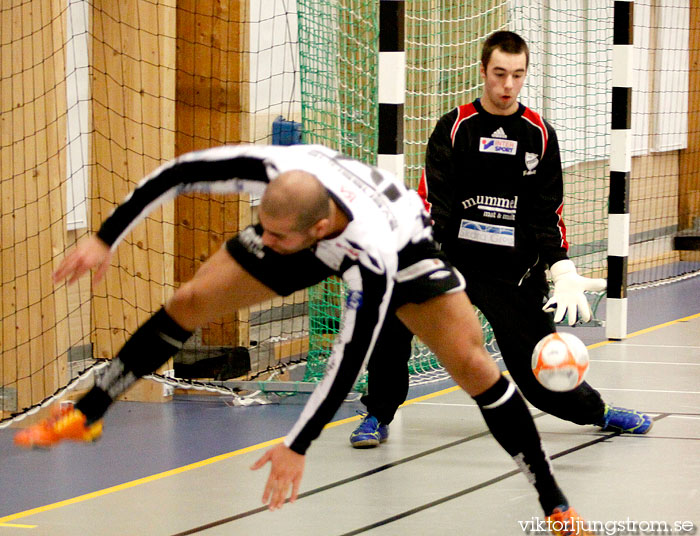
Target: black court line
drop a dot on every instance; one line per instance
(676, 438)
(381, 468)
(681, 413)
(353, 478)
(384, 467)
(482, 485)
(471, 489)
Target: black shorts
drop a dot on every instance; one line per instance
(423, 273)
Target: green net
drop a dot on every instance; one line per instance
(569, 83)
(338, 46)
(443, 48)
(338, 50)
(338, 55)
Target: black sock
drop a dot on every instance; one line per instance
(510, 422)
(156, 341)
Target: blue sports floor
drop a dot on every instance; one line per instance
(182, 467)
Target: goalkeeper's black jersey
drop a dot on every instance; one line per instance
(493, 185)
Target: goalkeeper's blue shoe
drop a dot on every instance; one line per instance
(369, 433)
(626, 421)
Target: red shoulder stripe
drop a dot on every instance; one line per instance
(562, 227)
(423, 191)
(465, 111)
(535, 119)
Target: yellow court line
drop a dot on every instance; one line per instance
(407, 403)
(138, 482)
(16, 526)
(648, 330)
(252, 448)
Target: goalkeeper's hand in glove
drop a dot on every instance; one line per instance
(568, 297)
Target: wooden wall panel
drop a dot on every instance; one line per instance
(33, 347)
(133, 110)
(654, 203)
(211, 97)
(689, 183)
(137, 123)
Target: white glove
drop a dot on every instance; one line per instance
(568, 293)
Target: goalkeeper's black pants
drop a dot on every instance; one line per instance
(518, 322)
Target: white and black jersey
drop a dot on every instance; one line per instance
(385, 253)
(493, 185)
(385, 215)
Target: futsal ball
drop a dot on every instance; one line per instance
(560, 361)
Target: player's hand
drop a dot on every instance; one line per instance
(568, 297)
(287, 468)
(90, 253)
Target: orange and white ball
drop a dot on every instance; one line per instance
(560, 361)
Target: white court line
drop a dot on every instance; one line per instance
(658, 345)
(644, 362)
(650, 391)
(598, 388)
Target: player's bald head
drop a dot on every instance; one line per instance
(297, 193)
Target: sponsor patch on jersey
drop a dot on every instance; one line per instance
(496, 145)
(354, 300)
(531, 160)
(497, 235)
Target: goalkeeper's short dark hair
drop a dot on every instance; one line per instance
(508, 42)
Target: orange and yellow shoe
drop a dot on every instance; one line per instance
(65, 423)
(566, 522)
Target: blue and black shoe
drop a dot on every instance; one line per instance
(369, 433)
(627, 421)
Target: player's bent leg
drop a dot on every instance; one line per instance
(151, 345)
(219, 286)
(518, 323)
(448, 325)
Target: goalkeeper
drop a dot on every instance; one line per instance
(493, 185)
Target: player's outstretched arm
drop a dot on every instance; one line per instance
(90, 253)
(287, 468)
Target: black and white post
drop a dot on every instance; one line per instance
(392, 86)
(620, 168)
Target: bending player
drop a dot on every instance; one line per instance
(493, 183)
(321, 214)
